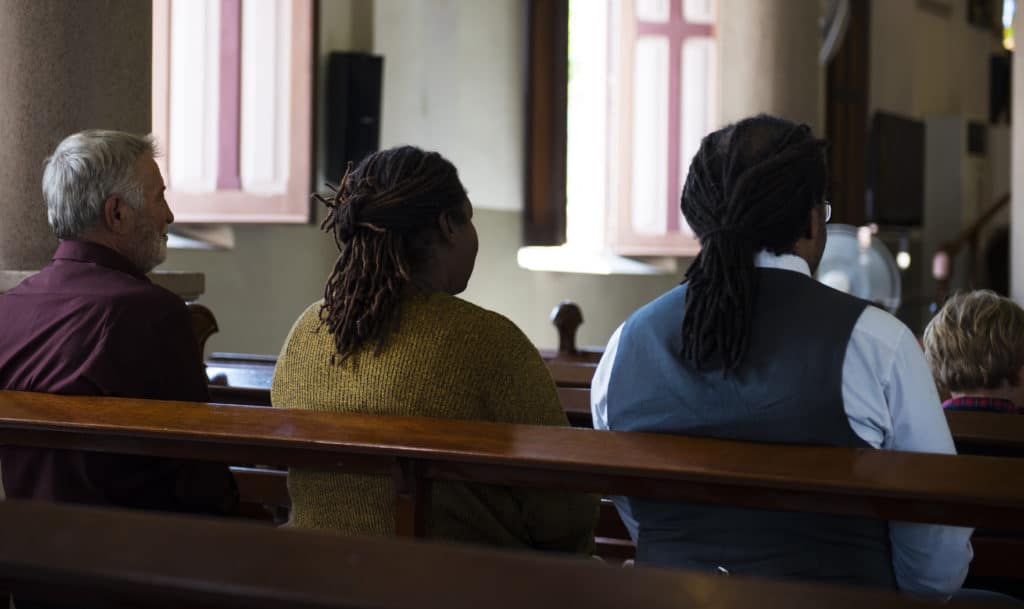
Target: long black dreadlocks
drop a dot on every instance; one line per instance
(750, 187)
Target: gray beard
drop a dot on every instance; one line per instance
(149, 253)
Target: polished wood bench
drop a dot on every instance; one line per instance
(974, 433)
(245, 379)
(97, 558)
(415, 451)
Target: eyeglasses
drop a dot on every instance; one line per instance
(828, 210)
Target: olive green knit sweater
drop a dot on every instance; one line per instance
(447, 359)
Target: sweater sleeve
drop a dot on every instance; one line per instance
(521, 391)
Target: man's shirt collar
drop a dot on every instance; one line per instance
(786, 262)
(87, 251)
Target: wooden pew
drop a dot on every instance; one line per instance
(249, 380)
(567, 317)
(416, 451)
(245, 379)
(994, 556)
(267, 489)
(987, 433)
(240, 378)
(96, 558)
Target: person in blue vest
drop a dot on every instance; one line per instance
(751, 347)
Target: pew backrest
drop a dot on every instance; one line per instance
(974, 433)
(105, 558)
(416, 451)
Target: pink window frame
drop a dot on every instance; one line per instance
(237, 206)
(624, 240)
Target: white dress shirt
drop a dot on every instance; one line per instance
(891, 402)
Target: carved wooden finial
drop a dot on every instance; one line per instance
(204, 324)
(567, 318)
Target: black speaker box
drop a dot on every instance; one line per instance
(352, 113)
(895, 171)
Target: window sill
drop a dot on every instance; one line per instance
(201, 237)
(567, 259)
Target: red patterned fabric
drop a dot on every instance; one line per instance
(982, 404)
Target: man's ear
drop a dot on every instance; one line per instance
(446, 226)
(814, 224)
(115, 213)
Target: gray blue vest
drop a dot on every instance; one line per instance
(787, 389)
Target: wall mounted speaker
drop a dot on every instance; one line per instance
(352, 113)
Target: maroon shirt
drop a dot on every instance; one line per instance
(91, 324)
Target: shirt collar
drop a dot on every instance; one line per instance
(786, 262)
(970, 402)
(87, 251)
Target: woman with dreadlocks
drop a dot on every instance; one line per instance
(390, 338)
(751, 347)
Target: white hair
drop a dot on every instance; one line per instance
(86, 169)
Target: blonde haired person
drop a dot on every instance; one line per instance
(975, 348)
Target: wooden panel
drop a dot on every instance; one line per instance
(204, 324)
(239, 396)
(546, 99)
(106, 558)
(987, 432)
(266, 491)
(997, 556)
(567, 374)
(249, 384)
(846, 117)
(576, 404)
(879, 484)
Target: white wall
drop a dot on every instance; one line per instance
(928, 64)
(453, 81)
(769, 60)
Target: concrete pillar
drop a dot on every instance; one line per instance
(66, 66)
(769, 60)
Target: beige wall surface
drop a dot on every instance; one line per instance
(928, 61)
(769, 60)
(453, 82)
(260, 288)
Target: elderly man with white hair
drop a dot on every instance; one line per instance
(92, 323)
